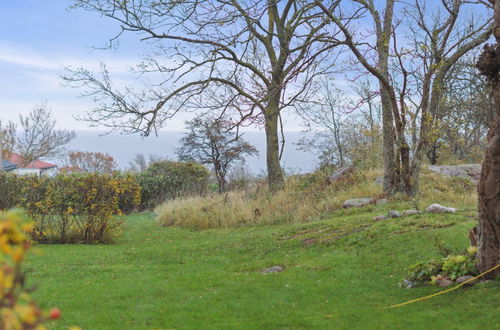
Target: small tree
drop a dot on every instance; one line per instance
(38, 136)
(212, 141)
(90, 162)
(140, 163)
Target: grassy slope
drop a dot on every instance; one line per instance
(340, 273)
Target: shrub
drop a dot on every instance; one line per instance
(166, 180)
(17, 308)
(452, 266)
(75, 208)
(129, 198)
(9, 190)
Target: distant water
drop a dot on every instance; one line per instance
(124, 147)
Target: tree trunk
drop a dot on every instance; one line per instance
(388, 144)
(275, 178)
(488, 189)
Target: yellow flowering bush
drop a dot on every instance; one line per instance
(76, 208)
(17, 308)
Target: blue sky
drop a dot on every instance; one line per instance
(38, 40)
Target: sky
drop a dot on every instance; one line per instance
(39, 39)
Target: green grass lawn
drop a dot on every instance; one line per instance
(339, 273)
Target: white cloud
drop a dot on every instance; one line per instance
(58, 58)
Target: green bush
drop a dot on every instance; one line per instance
(165, 180)
(75, 208)
(452, 266)
(9, 190)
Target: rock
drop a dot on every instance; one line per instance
(379, 218)
(471, 172)
(340, 174)
(394, 214)
(408, 284)
(410, 212)
(465, 278)
(357, 202)
(443, 281)
(379, 181)
(436, 208)
(274, 269)
(382, 201)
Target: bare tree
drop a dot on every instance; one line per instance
(344, 132)
(439, 39)
(252, 58)
(488, 229)
(38, 136)
(7, 136)
(211, 141)
(140, 163)
(89, 162)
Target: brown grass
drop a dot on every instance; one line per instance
(303, 201)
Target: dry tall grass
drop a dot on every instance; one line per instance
(305, 199)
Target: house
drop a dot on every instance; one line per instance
(37, 167)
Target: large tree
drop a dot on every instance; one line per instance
(212, 141)
(408, 66)
(251, 58)
(488, 229)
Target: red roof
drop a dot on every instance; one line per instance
(18, 160)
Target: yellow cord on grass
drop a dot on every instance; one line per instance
(445, 291)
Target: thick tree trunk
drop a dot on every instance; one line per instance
(488, 229)
(275, 178)
(488, 189)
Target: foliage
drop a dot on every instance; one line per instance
(459, 265)
(75, 208)
(452, 266)
(164, 180)
(213, 141)
(17, 309)
(424, 271)
(89, 162)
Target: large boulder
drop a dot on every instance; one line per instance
(358, 202)
(471, 172)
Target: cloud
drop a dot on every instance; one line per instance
(58, 58)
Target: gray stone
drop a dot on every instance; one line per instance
(471, 172)
(274, 269)
(394, 214)
(382, 201)
(380, 218)
(465, 278)
(379, 181)
(436, 208)
(357, 202)
(410, 212)
(408, 284)
(444, 282)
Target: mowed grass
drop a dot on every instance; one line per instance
(339, 273)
